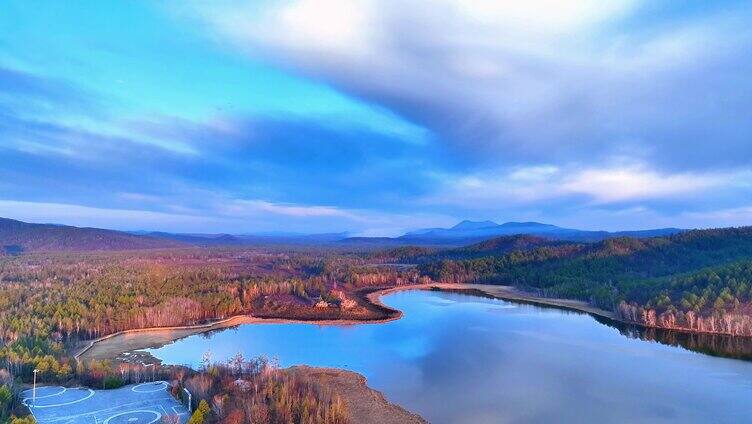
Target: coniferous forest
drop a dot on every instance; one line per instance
(697, 280)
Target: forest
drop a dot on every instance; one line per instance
(698, 280)
(50, 303)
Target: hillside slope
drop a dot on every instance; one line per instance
(491, 247)
(19, 237)
(699, 279)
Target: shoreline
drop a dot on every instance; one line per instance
(363, 402)
(513, 294)
(143, 338)
(163, 335)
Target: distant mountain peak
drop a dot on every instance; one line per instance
(467, 232)
(474, 225)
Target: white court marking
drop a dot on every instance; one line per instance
(91, 393)
(45, 396)
(148, 411)
(139, 404)
(162, 385)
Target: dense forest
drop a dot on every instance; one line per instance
(51, 302)
(697, 280)
(493, 247)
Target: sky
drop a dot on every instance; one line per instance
(375, 116)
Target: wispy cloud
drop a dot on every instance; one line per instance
(523, 81)
(618, 183)
(378, 116)
(245, 207)
(222, 215)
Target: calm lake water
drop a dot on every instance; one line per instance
(455, 358)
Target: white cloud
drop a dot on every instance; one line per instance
(247, 207)
(139, 197)
(549, 16)
(508, 80)
(607, 185)
(639, 183)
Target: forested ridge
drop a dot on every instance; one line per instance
(17, 237)
(493, 247)
(697, 280)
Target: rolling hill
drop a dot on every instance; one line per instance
(700, 279)
(18, 237)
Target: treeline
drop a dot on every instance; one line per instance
(492, 247)
(348, 273)
(66, 306)
(715, 300)
(48, 303)
(256, 391)
(662, 281)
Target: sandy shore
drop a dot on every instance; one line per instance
(364, 405)
(111, 346)
(511, 293)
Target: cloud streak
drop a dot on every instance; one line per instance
(503, 82)
(617, 184)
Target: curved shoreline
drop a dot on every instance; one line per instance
(181, 331)
(164, 335)
(363, 402)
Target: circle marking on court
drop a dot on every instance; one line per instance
(90, 394)
(156, 387)
(148, 411)
(31, 392)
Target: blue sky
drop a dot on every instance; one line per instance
(375, 117)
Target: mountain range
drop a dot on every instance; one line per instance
(468, 232)
(19, 237)
(246, 239)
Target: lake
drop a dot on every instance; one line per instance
(455, 358)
